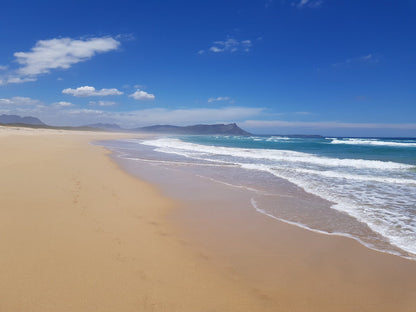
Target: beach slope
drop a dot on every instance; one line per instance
(79, 234)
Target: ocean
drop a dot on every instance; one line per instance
(363, 188)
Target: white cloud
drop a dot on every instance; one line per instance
(153, 116)
(19, 101)
(325, 125)
(103, 103)
(188, 116)
(215, 49)
(25, 104)
(229, 45)
(15, 79)
(142, 95)
(85, 111)
(61, 53)
(91, 91)
(62, 104)
(220, 98)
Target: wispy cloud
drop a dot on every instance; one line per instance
(103, 103)
(18, 101)
(91, 91)
(25, 104)
(364, 59)
(62, 104)
(186, 116)
(66, 115)
(308, 3)
(84, 111)
(59, 53)
(229, 45)
(325, 125)
(142, 95)
(219, 99)
(62, 113)
(15, 79)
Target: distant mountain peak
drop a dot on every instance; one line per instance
(15, 119)
(216, 129)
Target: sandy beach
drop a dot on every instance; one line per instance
(77, 233)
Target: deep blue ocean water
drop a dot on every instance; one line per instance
(369, 183)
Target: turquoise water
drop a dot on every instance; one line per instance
(369, 184)
(384, 149)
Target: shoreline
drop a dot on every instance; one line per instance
(337, 234)
(80, 234)
(217, 232)
(315, 272)
(284, 194)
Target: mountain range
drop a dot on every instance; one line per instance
(225, 129)
(15, 119)
(220, 129)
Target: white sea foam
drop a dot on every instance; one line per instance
(178, 146)
(365, 178)
(303, 226)
(374, 192)
(374, 142)
(277, 139)
(177, 163)
(395, 227)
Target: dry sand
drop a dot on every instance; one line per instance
(79, 234)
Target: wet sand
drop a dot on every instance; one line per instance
(284, 265)
(77, 233)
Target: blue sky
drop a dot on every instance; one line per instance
(331, 67)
